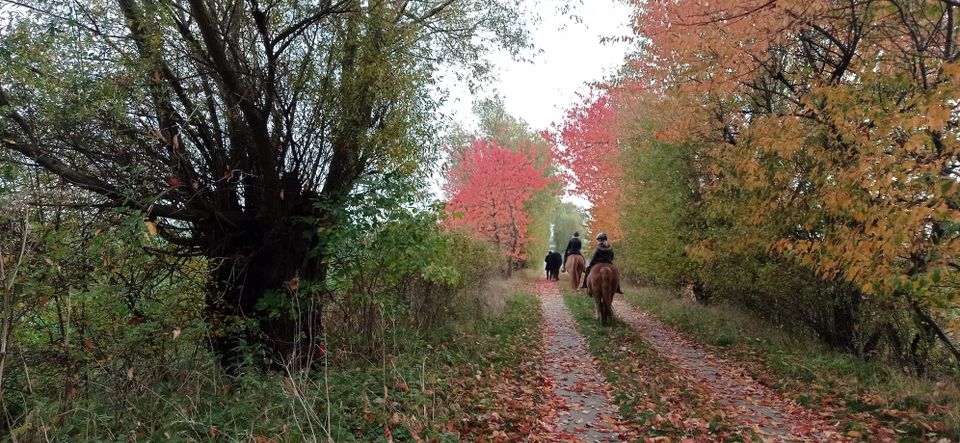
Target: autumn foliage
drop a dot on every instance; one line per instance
(488, 190)
(587, 146)
(817, 144)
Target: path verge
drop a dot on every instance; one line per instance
(769, 413)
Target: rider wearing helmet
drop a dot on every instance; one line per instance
(603, 254)
(573, 247)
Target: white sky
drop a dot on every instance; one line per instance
(572, 56)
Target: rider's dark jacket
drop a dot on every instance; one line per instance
(553, 261)
(603, 254)
(573, 247)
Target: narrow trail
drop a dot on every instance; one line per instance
(769, 413)
(581, 398)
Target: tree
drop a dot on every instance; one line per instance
(586, 145)
(829, 137)
(238, 127)
(567, 219)
(498, 126)
(488, 191)
(659, 215)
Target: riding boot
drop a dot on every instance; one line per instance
(585, 275)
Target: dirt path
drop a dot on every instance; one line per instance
(580, 394)
(773, 416)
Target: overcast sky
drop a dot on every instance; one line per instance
(572, 56)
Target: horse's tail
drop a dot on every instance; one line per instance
(575, 268)
(608, 283)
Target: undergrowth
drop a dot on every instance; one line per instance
(433, 384)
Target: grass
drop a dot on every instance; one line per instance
(439, 384)
(644, 385)
(864, 395)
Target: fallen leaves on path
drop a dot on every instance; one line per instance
(654, 396)
(771, 415)
(581, 398)
(864, 414)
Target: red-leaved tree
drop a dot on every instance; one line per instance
(587, 146)
(488, 189)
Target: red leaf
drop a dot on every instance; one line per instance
(214, 431)
(173, 181)
(135, 321)
(88, 344)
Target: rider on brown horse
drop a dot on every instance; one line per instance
(573, 247)
(603, 254)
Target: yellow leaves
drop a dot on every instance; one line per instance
(837, 201)
(951, 69)
(916, 143)
(151, 228)
(938, 115)
(782, 135)
(783, 245)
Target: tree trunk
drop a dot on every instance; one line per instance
(927, 322)
(700, 293)
(845, 313)
(254, 298)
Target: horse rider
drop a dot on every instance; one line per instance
(603, 254)
(573, 247)
(549, 264)
(556, 261)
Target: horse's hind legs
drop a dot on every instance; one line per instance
(607, 310)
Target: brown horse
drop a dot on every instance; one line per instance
(602, 282)
(575, 267)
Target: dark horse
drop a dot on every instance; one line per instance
(603, 281)
(575, 266)
(553, 260)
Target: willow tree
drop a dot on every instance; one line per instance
(238, 127)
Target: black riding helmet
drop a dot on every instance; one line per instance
(576, 234)
(602, 237)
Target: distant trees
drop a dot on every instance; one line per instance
(527, 150)
(567, 219)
